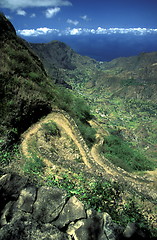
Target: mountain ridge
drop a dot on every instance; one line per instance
(131, 71)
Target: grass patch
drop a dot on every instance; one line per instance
(96, 194)
(123, 155)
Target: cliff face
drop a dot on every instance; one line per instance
(55, 55)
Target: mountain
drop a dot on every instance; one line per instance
(49, 134)
(122, 92)
(57, 55)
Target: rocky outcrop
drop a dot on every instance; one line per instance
(29, 212)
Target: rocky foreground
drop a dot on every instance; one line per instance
(29, 212)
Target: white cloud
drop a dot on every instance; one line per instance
(74, 22)
(33, 15)
(37, 32)
(21, 12)
(135, 31)
(17, 4)
(86, 31)
(51, 12)
(75, 31)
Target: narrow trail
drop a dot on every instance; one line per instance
(92, 159)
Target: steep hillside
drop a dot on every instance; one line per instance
(22, 77)
(27, 93)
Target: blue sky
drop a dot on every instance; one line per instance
(76, 22)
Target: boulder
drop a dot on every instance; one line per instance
(129, 230)
(90, 228)
(10, 187)
(26, 199)
(49, 203)
(133, 232)
(72, 211)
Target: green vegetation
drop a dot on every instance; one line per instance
(34, 166)
(95, 193)
(131, 82)
(147, 108)
(122, 154)
(8, 155)
(35, 76)
(87, 132)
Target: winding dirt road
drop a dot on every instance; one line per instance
(92, 159)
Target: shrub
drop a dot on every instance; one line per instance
(8, 155)
(51, 128)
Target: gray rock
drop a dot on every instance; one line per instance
(23, 204)
(108, 227)
(6, 213)
(72, 211)
(28, 213)
(88, 229)
(49, 203)
(11, 185)
(48, 232)
(24, 228)
(26, 199)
